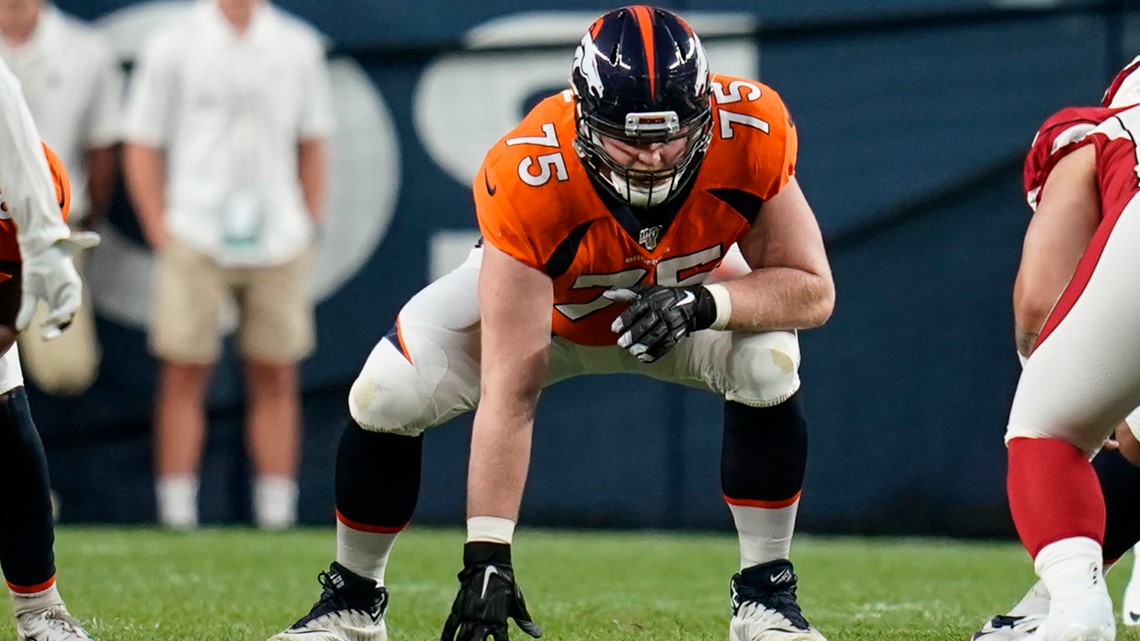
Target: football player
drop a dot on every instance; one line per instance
(36, 249)
(602, 213)
(1082, 376)
(1052, 251)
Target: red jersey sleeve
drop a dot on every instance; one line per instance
(1060, 134)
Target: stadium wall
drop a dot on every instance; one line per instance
(911, 130)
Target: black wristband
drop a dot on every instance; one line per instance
(486, 553)
(704, 309)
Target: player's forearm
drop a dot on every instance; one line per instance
(102, 170)
(500, 456)
(311, 171)
(146, 184)
(780, 298)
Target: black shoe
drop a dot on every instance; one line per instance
(351, 608)
(764, 605)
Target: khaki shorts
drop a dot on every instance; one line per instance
(274, 305)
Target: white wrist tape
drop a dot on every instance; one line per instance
(723, 305)
(492, 529)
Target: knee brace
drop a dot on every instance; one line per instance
(389, 395)
(763, 369)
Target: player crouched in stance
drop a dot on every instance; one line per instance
(35, 263)
(1075, 317)
(602, 214)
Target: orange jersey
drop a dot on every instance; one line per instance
(9, 247)
(535, 202)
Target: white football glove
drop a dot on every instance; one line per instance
(50, 275)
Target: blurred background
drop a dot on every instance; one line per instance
(914, 117)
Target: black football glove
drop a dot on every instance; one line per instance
(659, 317)
(487, 596)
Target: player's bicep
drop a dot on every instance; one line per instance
(515, 303)
(1067, 216)
(786, 234)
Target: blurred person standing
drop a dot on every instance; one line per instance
(72, 86)
(225, 163)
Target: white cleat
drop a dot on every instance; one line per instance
(1022, 619)
(1130, 608)
(1088, 617)
(50, 624)
(351, 608)
(1005, 627)
(764, 606)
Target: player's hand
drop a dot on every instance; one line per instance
(488, 595)
(659, 317)
(50, 275)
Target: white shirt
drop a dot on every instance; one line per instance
(229, 110)
(72, 85)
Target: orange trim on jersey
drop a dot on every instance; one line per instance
(644, 19)
(31, 589)
(400, 340)
(770, 505)
(595, 28)
(363, 527)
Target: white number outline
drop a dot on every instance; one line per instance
(666, 274)
(549, 164)
(733, 94)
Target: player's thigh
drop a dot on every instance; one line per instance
(276, 312)
(758, 369)
(426, 370)
(1083, 378)
(189, 289)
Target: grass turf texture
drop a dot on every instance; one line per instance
(240, 584)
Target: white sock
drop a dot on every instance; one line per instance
(1071, 568)
(275, 502)
(177, 501)
(765, 534)
(22, 603)
(365, 553)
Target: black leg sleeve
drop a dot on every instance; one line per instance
(1120, 482)
(764, 451)
(377, 477)
(26, 528)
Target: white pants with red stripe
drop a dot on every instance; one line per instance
(435, 376)
(1084, 376)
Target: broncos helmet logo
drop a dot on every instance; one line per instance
(586, 63)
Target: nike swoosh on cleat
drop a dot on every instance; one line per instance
(486, 578)
(1134, 616)
(686, 299)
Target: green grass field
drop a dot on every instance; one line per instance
(240, 584)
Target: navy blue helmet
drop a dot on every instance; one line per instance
(640, 76)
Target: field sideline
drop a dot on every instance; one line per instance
(134, 584)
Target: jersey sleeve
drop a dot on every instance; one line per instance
(755, 138)
(500, 221)
(26, 184)
(1059, 135)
